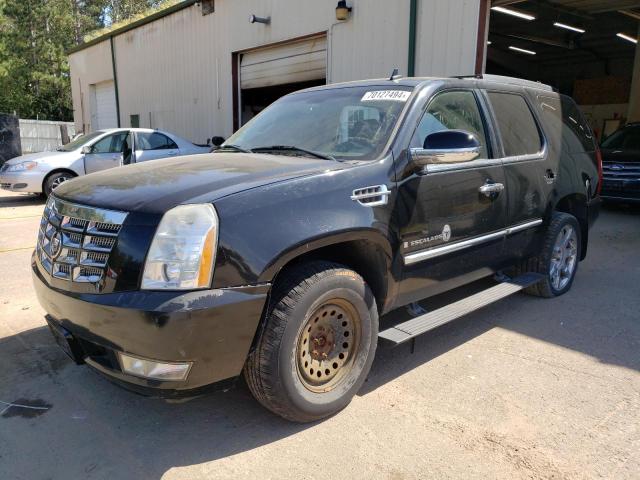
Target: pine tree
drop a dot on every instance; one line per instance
(35, 36)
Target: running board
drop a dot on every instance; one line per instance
(410, 329)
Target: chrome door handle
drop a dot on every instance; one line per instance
(491, 190)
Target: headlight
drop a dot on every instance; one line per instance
(21, 167)
(183, 249)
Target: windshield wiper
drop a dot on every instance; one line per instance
(234, 148)
(292, 148)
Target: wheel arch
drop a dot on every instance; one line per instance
(576, 204)
(366, 252)
(57, 170)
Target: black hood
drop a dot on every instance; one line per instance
(156, 186)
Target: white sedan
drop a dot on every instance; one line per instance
(42, 172)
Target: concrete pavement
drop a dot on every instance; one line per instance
(526, 388)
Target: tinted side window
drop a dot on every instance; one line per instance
(110, 144)
(563, 117)
(520, 134)
(575, 122)
(456, 110)
(155, 141)
(627, 138)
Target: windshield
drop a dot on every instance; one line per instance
(79, 142)
(345, 123)
(627, 138)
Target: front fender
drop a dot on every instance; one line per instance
(75, 165)
(263, 229)
(371, 235)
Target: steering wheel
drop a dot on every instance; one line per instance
(354, 141)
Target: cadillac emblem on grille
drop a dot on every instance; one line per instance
(75, 241)
(55, 246)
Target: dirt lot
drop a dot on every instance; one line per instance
(527, 388)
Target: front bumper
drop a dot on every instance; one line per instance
(29, 181)
(214, 329)
(618, 189)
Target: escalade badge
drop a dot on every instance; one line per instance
(445, 236)
(55, 247)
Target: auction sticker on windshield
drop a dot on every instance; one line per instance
(397, 95)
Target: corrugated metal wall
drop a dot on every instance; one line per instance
(176, 72)
(88, 67)
(43, 135)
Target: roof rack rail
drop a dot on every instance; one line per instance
(521, 82)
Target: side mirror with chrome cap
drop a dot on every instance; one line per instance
(86, 150)
(447, 146)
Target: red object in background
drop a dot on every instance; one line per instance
(599, 161)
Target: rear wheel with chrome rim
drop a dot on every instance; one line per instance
(318, 342)
(558, 260)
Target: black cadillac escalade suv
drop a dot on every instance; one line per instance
(276, 256)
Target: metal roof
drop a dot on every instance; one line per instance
(580, 6)
(561, 47)
(138, 23)
(597, 6)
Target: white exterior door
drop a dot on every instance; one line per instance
(297, 61)
(103, 106)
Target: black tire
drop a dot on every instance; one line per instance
(272, 370)
(53, 180)
(543, 262)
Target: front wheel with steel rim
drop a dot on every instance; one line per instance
(558, 259)
(318, 342)
(54, 180)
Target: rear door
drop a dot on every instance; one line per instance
(154, 145)
(530, 167)
(106, 152)
(450, 231)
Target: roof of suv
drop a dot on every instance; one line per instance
(416, 81)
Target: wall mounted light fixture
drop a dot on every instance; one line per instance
(264, 20)
(343, 11)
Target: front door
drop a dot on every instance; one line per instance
(154, 145)
(451, 232)
(107, 152)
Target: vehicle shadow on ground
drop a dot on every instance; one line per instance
(137, 437)
(112, 433)
(24, 200)
(146, 437)
(580, 321)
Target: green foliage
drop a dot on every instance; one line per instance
(34, 38)
(133, 13)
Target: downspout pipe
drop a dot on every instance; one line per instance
(413, 23)
(115, 79)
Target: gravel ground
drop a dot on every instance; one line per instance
(526, 388)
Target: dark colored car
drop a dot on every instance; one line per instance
(278, 255)
(621, 165)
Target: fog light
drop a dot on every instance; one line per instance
(155, 370)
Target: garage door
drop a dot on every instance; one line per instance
(105, 114)
(298, 61)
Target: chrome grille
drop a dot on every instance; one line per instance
(621, 171)
(75, 241)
